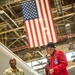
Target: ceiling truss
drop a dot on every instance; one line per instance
(12, 29)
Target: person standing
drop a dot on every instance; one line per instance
(47, 67)
(58, 61)
(13, 70)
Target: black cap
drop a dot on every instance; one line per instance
(50, 44)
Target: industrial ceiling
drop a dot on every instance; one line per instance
(12, 29)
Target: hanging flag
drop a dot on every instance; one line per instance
(38, 22)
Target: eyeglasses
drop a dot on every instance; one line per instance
(49, 48)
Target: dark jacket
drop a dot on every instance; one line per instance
(47, 68)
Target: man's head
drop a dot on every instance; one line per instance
(12, 62)
(50, 48)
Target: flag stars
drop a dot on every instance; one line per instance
(29, 10)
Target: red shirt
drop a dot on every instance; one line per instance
(58, 62)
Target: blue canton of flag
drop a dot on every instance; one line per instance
(29, 10)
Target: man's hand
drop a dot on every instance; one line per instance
(51, 71)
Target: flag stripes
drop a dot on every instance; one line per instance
(41, 30)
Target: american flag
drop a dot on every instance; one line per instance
(38, 22)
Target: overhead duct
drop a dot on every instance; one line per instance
(5, 17)
(7, 2)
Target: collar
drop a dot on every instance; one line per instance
(53, 53)
(14, 70)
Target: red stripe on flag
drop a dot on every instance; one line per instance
(36, 32)
(40, 35)
(43, 17)
(27, 34)
(48, 28)
(43, 25)
(56, 36)
(49, 20)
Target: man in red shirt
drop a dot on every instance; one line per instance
(58, 61)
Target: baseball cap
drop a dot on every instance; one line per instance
(50, 44)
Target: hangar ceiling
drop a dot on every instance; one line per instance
(12, 29)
